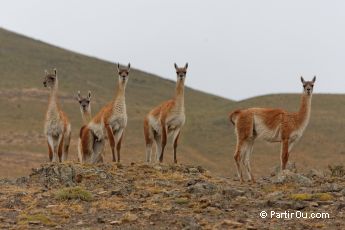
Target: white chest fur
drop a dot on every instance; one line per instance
(118, 119)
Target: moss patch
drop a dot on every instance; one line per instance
(25, 219)
(309, 197)
(75, 193)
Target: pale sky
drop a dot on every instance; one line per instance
(235, 49)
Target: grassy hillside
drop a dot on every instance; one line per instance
(207, 138)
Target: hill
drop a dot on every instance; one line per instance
(140, 196)
(207, 139)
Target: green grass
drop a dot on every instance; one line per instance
(74, 193)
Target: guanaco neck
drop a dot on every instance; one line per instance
(305, 109)
(86, 115)
(179, 94)
(120, 91)
(53, 99)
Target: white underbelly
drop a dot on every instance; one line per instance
(154, 123)
(265, 133)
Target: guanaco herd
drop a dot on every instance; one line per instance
(168, 118)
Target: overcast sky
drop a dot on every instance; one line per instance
(235, 49)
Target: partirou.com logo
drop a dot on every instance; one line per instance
(293, 215)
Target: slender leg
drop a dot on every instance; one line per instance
(247, 165)
(80, 151)
(148, 133)
(60, 147)
(50, 152)
(284, 153)
(176, 136)
(53, 143)
(118, 140)
(111, 141)
(158, 141)
(237, 156)
(164, 141)
(98, 148)
(67, 141)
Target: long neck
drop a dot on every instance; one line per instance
(179, 93)
(53, 99)
(305, 109)
(120, 92)
(86, 117)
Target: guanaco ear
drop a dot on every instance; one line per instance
(89, 95)
(176, 67)
(55, 71)
(118, 67)
(46, 72)
(186, 66)
(129, 67)
(314, 79)
(78, 96)
(302, 80)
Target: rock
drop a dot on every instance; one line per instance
(100, 220)
(343, 192)
(330, 187)
(202, 188)
(340, 206)
(232, 223)
(284, 205)
(79, 178)
(275, 195)
(287, 176)
(34, 222)
(116, 222)
(80, 223)
(129, 217)
(291, 166)
(313, 204)
(22, 180)
(193, 170)
(314, 173)
(231, 193)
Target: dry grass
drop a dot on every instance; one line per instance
(74, 193)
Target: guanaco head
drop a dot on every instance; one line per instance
(123, 73)
(84, 102)
(308, 85)
(50, 79)
(181, 72)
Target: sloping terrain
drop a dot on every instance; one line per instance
(207, 139)
(140, 196)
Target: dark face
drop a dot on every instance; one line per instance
(181, 72)
(84, 103)
(49, 80)
(308, 86)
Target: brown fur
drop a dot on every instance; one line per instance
(273, 125)
(57, 126)
(105, 118)
(157, 125)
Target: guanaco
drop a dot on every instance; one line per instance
(110, 122)
(272, 125)
(166, 119)
(85, 109)
(57, 127)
